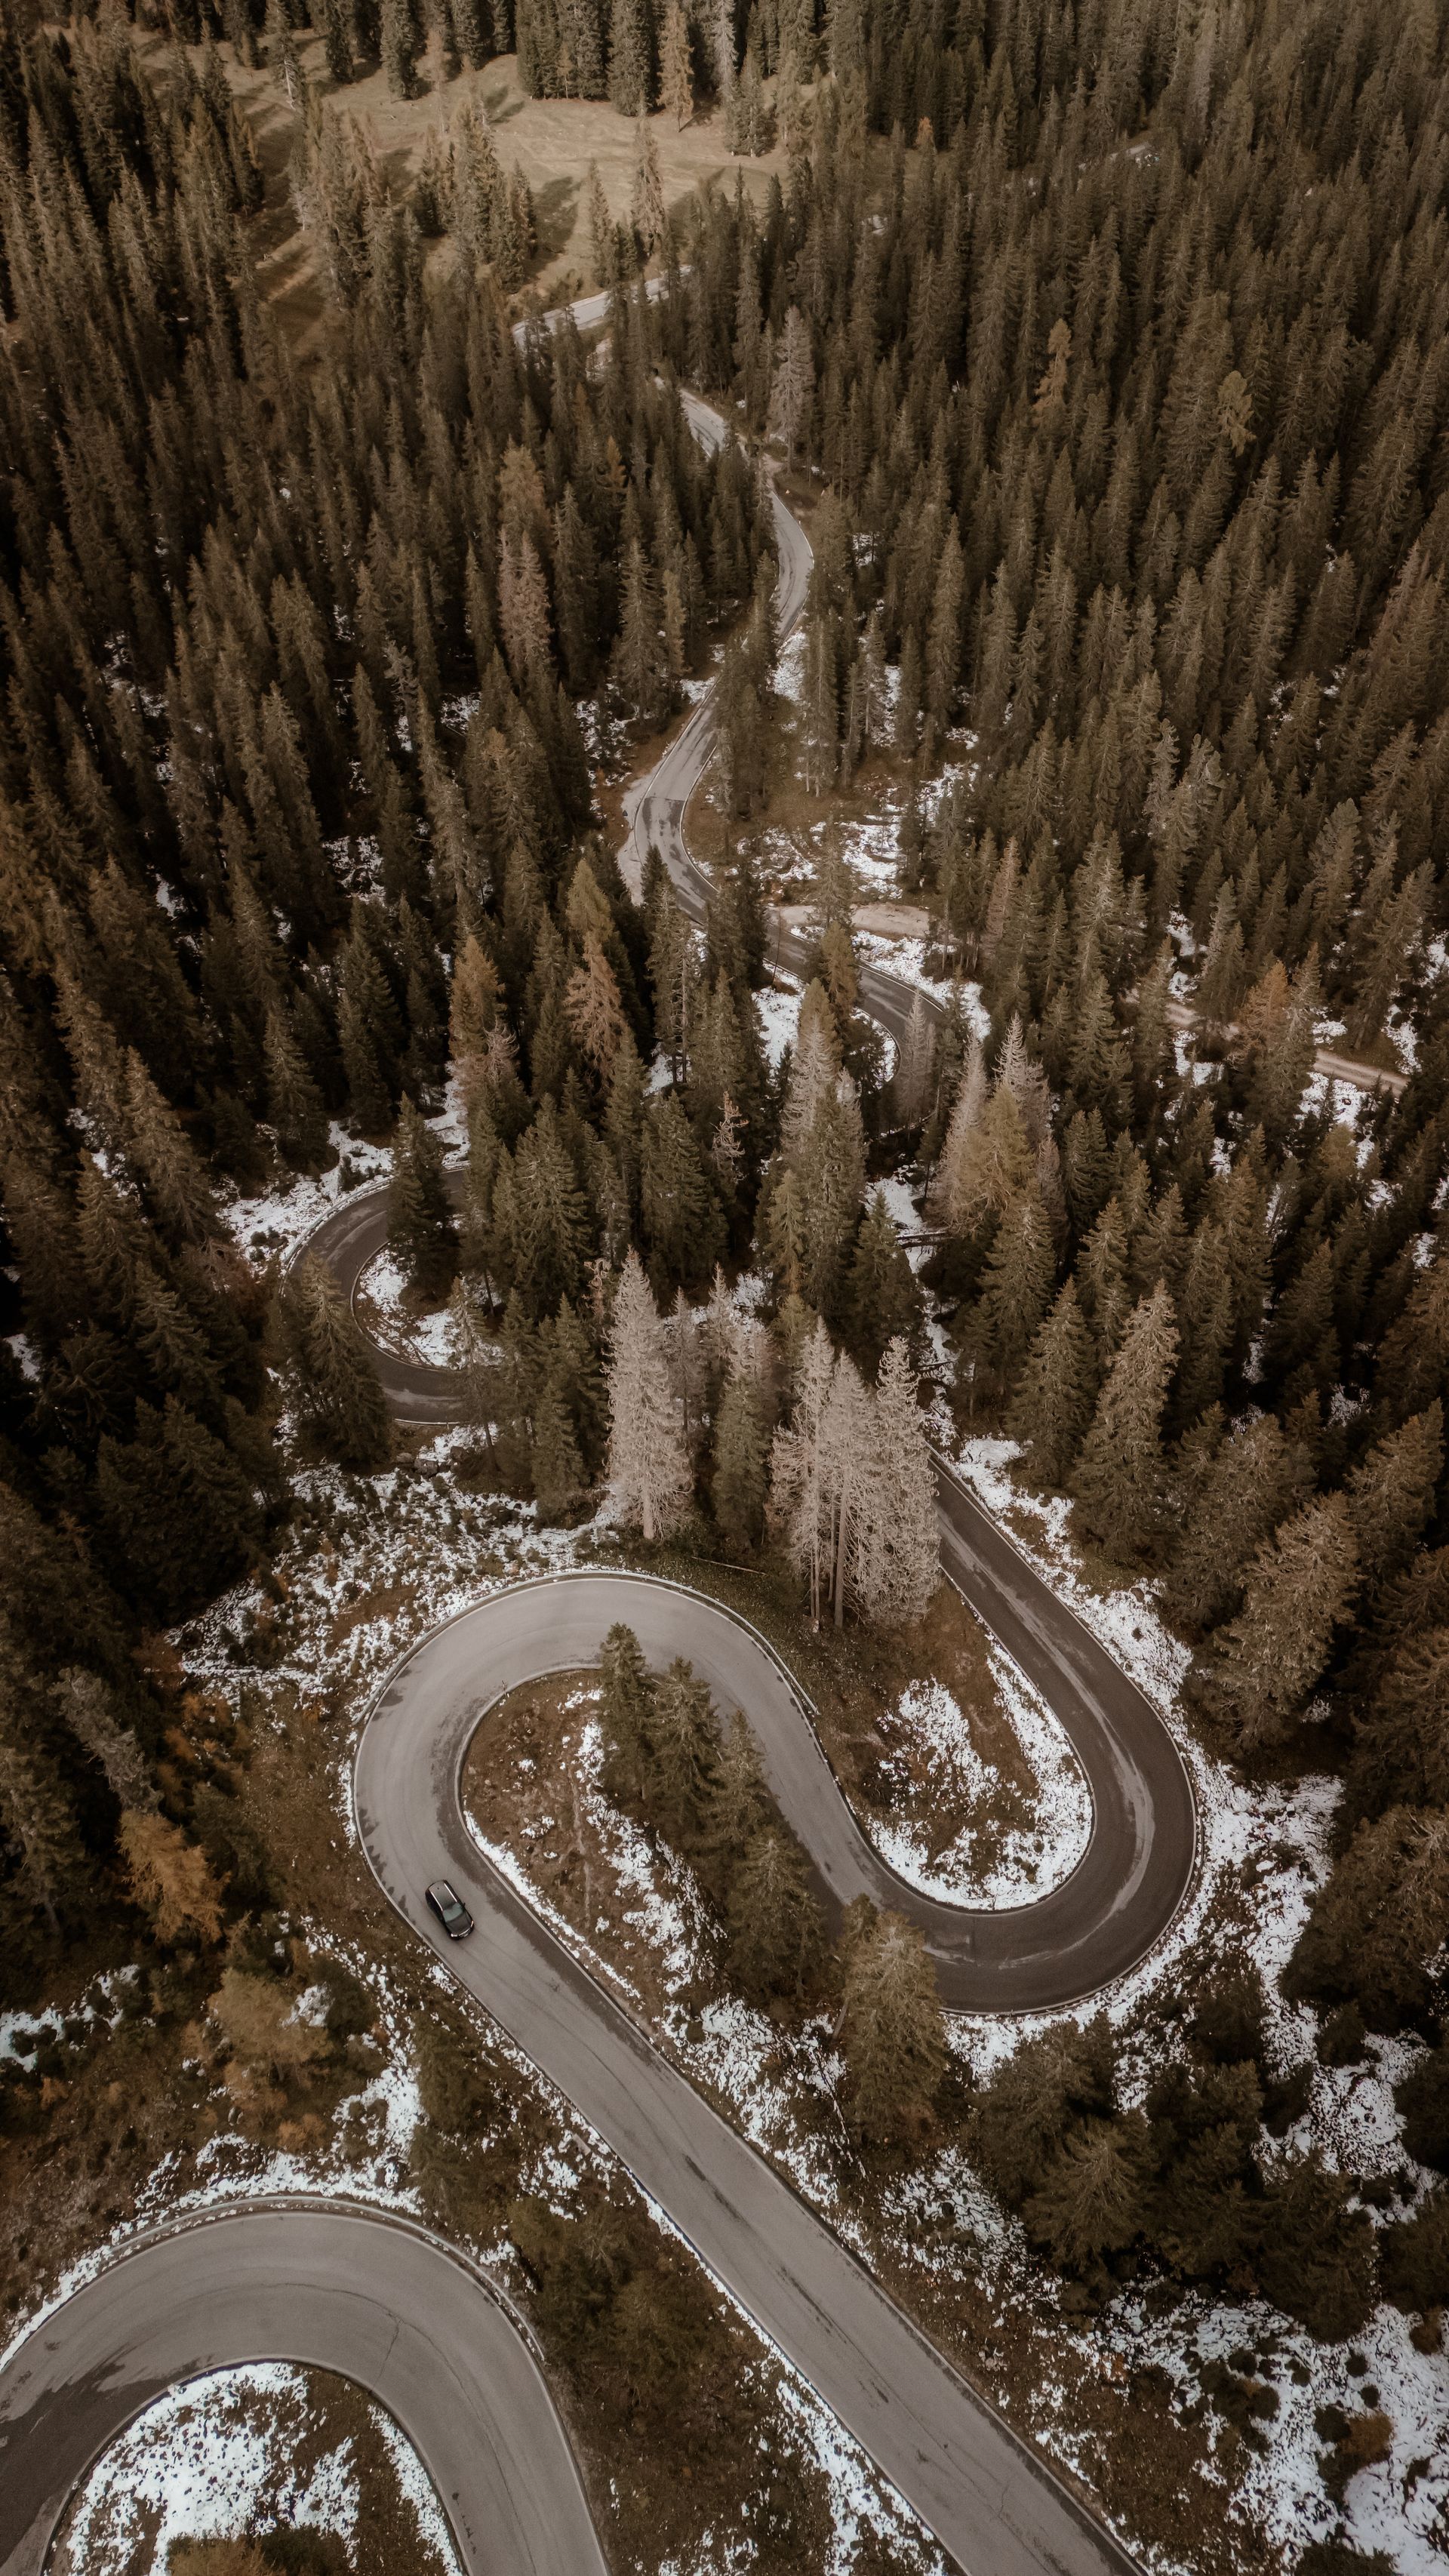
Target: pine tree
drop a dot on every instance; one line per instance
(1052, 1406)
(649, 1474)
(1264, 1663)
(777, 1935)
(741, 1447)
(1093, 2197)
(676, 68)
(1315, 2256)
(1102, 1280)
(891, 2028)
(984, 1165)
(683, 1224)
(473, 1000)
(603, 237)
(338, 1387)
(594, 1010)
(1413, 1360)
(421, 1234)
(165, 1163)
(799, 1506)
(683, 1756)
(369, 1034)
(294, 1104)
(399, 47)
(830, 1173)
(631, 57)
(336, 44)
(1250, 1485)
(1391, 1498)
(882, 1299)
(1383, 1916)
(574, 1368)
(627, 1695)
(639, 665)
(544, 1232)
(171, 1879)
(846, 1460)
(742, 1805)
(88, 1708)
(793, 391)
(474, 1360)
(1118, 1479)
(177, 1507)
(914, 1078)
(1401, 1752)
(647, 204)
(40, 1823)
(558, 1467)
(1016, 1292)
(747, 121)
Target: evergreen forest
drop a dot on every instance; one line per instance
(1103, 347)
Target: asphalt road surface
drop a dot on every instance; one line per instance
(381, 2302)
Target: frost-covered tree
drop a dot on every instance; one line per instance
(649, 1473)
(799, 1511)
(897, 1548)
(846, 1443)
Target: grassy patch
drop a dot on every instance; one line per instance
(551, 141)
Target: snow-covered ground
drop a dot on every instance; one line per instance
(906, 959)
(274, 1221)
(779, 1017)
(984, 1863)
(237, 2452)
(386, 1313)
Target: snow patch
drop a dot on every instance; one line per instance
(384, 1311)
(224, 2454)
(982, 1865)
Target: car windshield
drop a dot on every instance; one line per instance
(450, 1905)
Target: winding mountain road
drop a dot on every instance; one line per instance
(378, 2300)
(395, 2310)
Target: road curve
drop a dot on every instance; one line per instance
(347, 1240)
(380, 2301)
(991, 2501)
